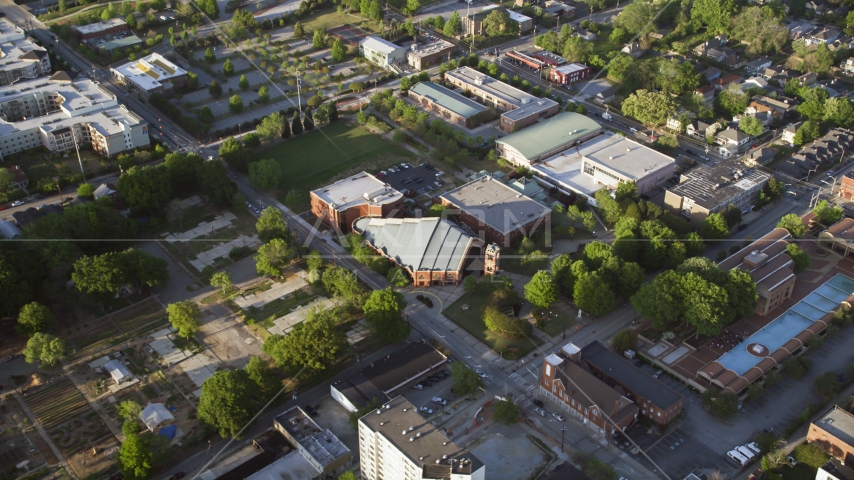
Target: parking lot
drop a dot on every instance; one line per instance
(423, 398)
(420, 179)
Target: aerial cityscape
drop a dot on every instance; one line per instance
(426, 239)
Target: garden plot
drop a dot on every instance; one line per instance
(284, 324)
(277, 291)
(118, 327)
(166, 349)
(209, 257)
(204, 228)
(199, 368)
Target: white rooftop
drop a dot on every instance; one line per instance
(150, 72)
(9, 32)
(16, 54)
(378, 44)
(496, 204)
(424, 49)
(565, 168)
(360, 188)
(517, 17)
(569, 68)
(117, 370)
(100, 26)
(154, 414)
(292, 466)
(627, 157)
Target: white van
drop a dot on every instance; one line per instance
(754, 447)
(738, 457)
(746, 452)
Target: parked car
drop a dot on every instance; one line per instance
(439, 173)
(418, 386)
(426, 410)
(440, 401)
(380, 175)
(404, 165)
(540, 411)
(18, 203)
(383, 173)
(657, 374)
(480, 372)
(558, 416)
(538, 403)
(419, 180)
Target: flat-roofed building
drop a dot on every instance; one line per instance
(525, 22)
(604, 162)
(96, 31)
(833, 431)
(151, 74)
(383, 53)
(20, 57)
(704, 191)
(495, 212)
(432, 250)
(556, 134)
(425, 55)
(385, 378)
(57, 112)
(770, 266)
(839, 236)
(573, 388)
(447, 103)
(846, 186)
(395, 442)
(318, 445)
(656, 400)
(569, 73)
(528, 114)
(361, 195)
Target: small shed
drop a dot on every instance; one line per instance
(156, 415)
(118, 371)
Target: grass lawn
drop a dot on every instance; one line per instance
(557, 322)
(336, 151)
(798, 472)
(328, 18)
(471, 321)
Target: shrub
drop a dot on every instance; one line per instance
(810, 455)
(796, 367)
(504, 325)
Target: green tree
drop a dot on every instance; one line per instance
(313, 344)
(498, 22)
(146, 189)
(725, 406)
(731, 101)
(398, 277)
(272, 126)
(215, 89)
(85, 190)
(649, 108)
(35, 318)
(714, 14)
(807, 132)
(265, 173)
(800, 258)
(243, 83)
(506, 412)
(376, 12)
(129, 410)
(839, 111)
(220, 189)
(210, 57)
(593, 296)
(618, 35)
(827, 385)
(541, 291)
(751, 126)
(714, 227)
(761, 28)
(384, 313)
(235, 104)
(106, 15)
(338, 50)
(44, 348)
(182, 170)
(810, 455)
(466, 380)
(271, 224)
(453, 26)
(272, 257)
(228, 67)
(185, 317)
(299, 30)
(624, 340)
(576, 49)
(263, 94)
(296, 126)
(796, 367)
(793, 224)
(136, 459)
(504, 325)
(227, 401)
(636, 17)
(222, 280)
(828, 214)
(109, 272)
(262, 378)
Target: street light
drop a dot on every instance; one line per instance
(562, 431)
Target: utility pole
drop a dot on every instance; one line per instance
(299, 83)
(562, 432)
(77, 148)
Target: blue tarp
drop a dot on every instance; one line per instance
(169, 432)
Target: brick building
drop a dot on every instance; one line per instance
(432, 250)
(361, 195)
(573, 388)
(570, 73)
(424, 56)
(833, 431)
(95, 31)
(495, 212)
(770, 266)
(654, 399)
(447, 103)
(846, 186)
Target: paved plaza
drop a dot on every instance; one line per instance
(204, 228)
(284, 324)
(277, 291)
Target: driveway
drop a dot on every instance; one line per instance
(177, 288)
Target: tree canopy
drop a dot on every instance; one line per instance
(313, 344)
(227, 401)
(185, 317)
(793, 224)
(624, 340)
(271, 224)
(504, 325)
(136, 459)
(384, 313)
(107, 273)
(146, 189)
(35, 318)
(506, 412)
(272, 257)
(466, 380)
(44, 348)
(649, 108)
(541, 291)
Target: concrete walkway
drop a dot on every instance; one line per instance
(42, 432)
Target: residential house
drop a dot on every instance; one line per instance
(833, 87)
(781, 105)
(834, 469)
(844, 41)
(761, 112)
(848, 66)
(817, 6)
(659, 35)
(730, 140)
(707, 92)
(846, 186)
(759, 156)
(753, 67)
(824, 35)
(713, 43)
(10, 231)
(801, 29)
(711, 73)
(754, 82)
(673, 123)
(824, 151)
(19, 178)
(725, 81)
(808, 79)
(634, 49)
(720, 54)
(789, 132)
(701, 129)
(585, 34)
(734, 61)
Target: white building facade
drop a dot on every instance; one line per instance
(382, 52)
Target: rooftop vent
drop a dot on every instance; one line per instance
(444, 457)
(411, 439)
(418, 435)
(403, 432)
(411, 428)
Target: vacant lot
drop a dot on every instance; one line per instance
(471, 321)
(331, 153)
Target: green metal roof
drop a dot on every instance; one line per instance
(549, 134)
(448, 99)
(121, 43)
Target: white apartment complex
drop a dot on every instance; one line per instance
(396, 442)
(20, 57)
(151, 74)
(382, 52)
(56, 112)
